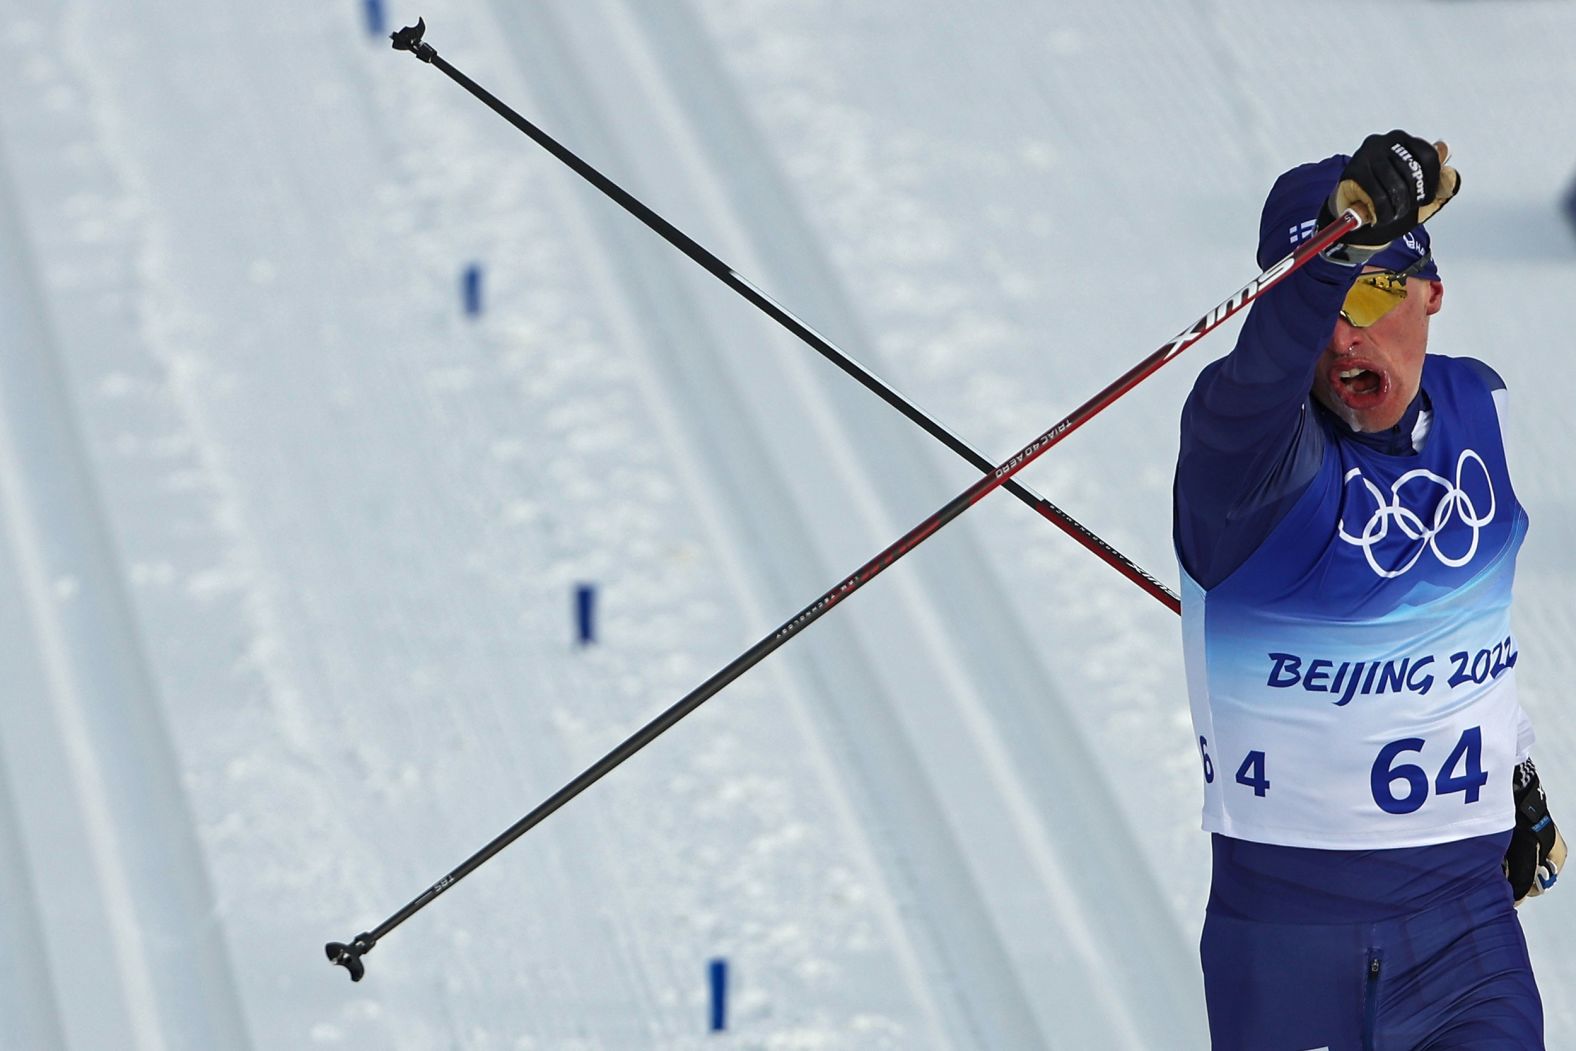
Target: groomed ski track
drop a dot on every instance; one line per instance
(961, 774)
(948, 732)
(112, 906)
(946, 729)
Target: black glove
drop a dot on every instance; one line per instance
(1395, 181)
(1537, 850)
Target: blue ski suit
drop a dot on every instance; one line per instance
(1345, 599)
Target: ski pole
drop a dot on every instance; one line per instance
(348, 955)
(410, 39)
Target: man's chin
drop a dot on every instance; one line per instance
(1364, 418)
(1373, 421)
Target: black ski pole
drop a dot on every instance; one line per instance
(348, 955)
(410, 39)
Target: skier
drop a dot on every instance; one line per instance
(1347, 533)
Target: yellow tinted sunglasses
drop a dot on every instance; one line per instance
(1377, 293)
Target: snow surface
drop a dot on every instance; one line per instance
(288, 544)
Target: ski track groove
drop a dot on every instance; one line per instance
(107, 723)
(628, 239)
(774, 221)
(644, 283)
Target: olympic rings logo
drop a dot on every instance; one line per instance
(1455, 504)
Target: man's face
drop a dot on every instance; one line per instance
(1368, 376)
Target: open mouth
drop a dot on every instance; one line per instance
(1359, 382)
(1359, 387)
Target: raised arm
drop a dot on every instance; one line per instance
(1250, 441)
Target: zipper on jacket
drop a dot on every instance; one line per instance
(1371, 1001)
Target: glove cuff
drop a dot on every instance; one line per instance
(1523, 778)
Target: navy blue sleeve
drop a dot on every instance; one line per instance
(1250, 444)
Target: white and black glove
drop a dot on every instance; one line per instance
(1537, 850)
(1394, 181)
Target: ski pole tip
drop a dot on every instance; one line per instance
(349, 956)
(409, 39)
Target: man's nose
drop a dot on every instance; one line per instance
(1346, 338)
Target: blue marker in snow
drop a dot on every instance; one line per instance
(585, 610)
(471, 288)
(719, 995)
(375, 24)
